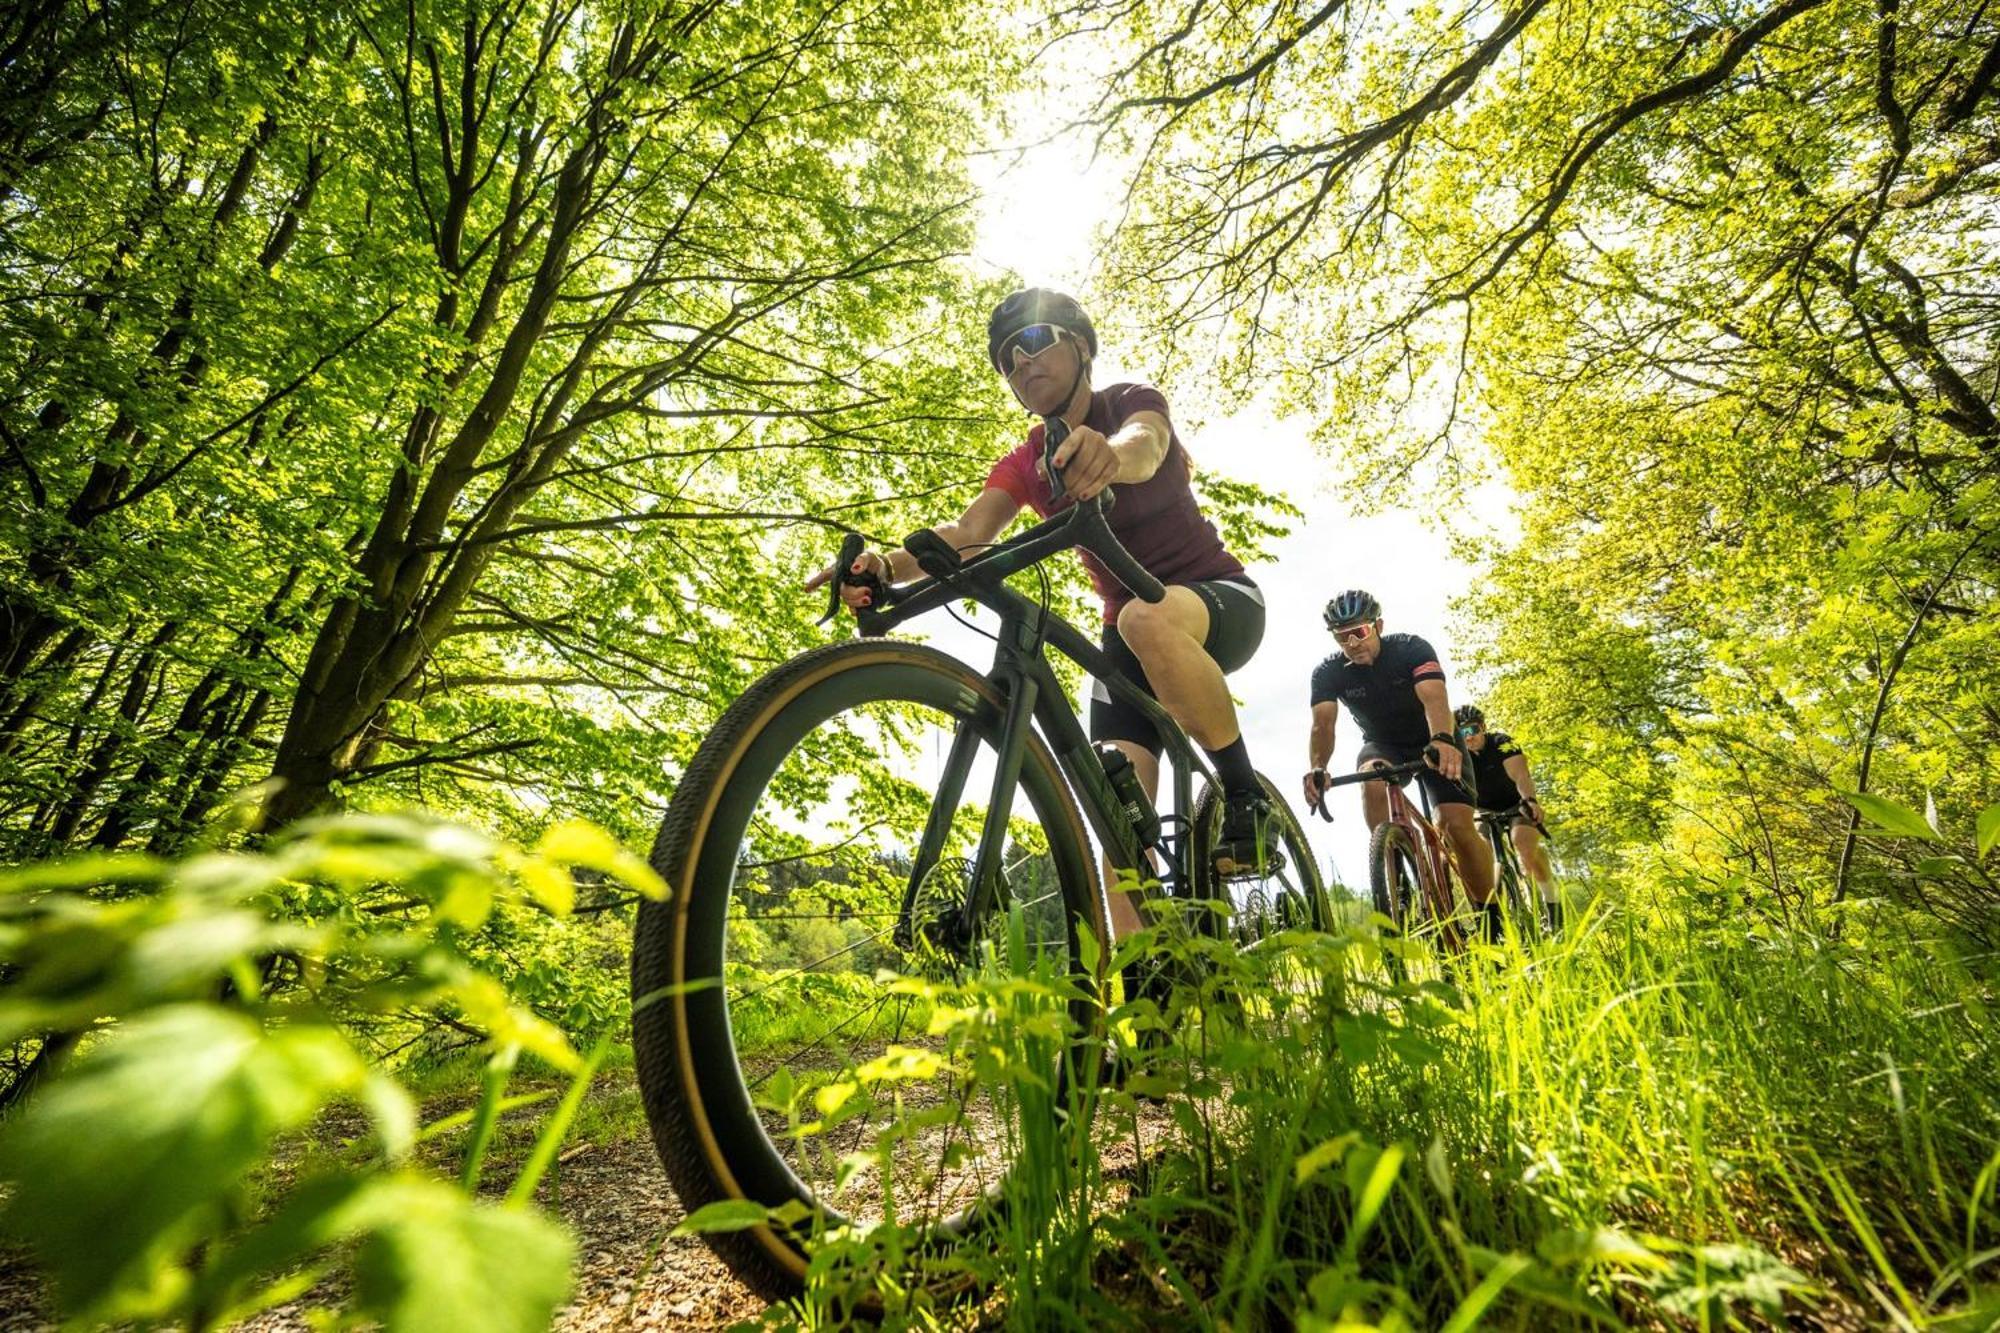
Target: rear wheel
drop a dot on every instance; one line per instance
(1286, 894)
(793, 997)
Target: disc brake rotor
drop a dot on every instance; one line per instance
(942, 947)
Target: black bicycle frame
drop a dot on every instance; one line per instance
(1032, 696)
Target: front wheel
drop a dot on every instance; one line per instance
(1521, 905)
(801, 997)
(1405, 890)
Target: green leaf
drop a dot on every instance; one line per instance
(1600, 1245)
(435, 1261)
(577, 842)
(315, 1215)
(81, 872)
(122, 1164)
(1371, 1191)
(1989, 828)
(722, 1215)
(1890, 816)
(1316, 1160)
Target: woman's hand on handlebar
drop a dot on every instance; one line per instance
(1088, 462)
(869, 564)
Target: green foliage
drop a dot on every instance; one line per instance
(464, 451)
(1712, 290)
(222, 1033)
(1608, 1132)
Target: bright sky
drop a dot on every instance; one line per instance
(1405, 564)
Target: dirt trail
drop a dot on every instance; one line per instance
(617, 1200)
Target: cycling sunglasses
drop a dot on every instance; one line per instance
(1470, 730)
(1354, 633)
(1033, 341)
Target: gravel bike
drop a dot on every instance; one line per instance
(831, 881)
(1409, 867)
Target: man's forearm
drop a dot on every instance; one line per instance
(1524, 781)
(1321, 748)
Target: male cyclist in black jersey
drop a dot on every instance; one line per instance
(1505, 786)
(1394, 686)
(1212, 619)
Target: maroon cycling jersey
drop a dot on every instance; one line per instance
(1157, 519)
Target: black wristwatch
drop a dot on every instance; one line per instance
(1446, 737)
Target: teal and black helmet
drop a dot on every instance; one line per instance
(1351, 608)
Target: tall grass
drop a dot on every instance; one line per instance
(1641, 1123)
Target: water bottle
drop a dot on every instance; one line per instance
(1131, 796)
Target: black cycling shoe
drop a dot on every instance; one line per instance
(1245, 847)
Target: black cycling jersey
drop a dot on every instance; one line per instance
(1489, 764)
(1382, 696)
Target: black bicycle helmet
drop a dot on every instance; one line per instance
(1468, 715)
(1351, 608)
(1036, 305)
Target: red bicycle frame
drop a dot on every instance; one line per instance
(1432, 859)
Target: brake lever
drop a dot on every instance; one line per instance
(1317, 803)
(1054, 431)
(851, 547)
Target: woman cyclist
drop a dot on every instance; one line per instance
(1212, 619)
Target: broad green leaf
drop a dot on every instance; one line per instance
(577, 842)
(1600, 1245)
(1315, 1160)
(1891, 816)
(86, 962)
(434, 1261)
(81, 872)
(315, 1215)
(1370, 1191)
(121, 1164)
(1989, 828)
(726, 1215)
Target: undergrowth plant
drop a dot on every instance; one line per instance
(161, 1176)
(1645, 1123)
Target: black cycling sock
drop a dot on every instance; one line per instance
(1495, 929)
(1232, 765)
